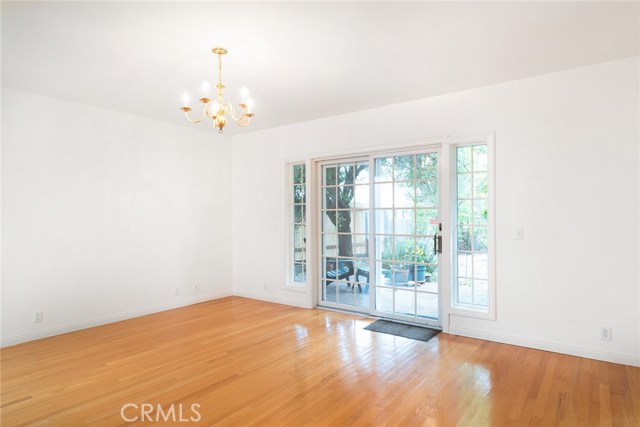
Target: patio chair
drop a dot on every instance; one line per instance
(364, 272)
(338, 269)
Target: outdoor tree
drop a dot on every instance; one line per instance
(416, 186)
(340, 199)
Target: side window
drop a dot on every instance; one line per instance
(471, 283)
(298, 223)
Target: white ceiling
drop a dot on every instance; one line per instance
(302, 61)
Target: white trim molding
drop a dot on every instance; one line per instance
(289, 265)
(269, 297)
(454, 307)
(555, 347)
(72, 327)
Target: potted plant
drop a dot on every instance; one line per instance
(387, 266)
(401, 274)
(429, 259)
(403, 269)
(420, 257)
(424, 268)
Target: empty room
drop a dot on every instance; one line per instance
(367, 213)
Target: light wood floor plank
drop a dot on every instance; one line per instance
(248, 362)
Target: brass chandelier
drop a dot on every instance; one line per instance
(220, 108)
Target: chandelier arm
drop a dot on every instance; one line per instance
(186, 113)
(244, 121)
(232, 111)
(206, 111)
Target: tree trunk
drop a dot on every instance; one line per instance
(345, 242)
(342, 219)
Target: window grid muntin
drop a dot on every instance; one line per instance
(471, 225)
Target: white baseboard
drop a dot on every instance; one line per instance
(44, 333)
(624, 359)
(267, 297)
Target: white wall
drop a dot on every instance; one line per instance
(105, 214)
(567, 171)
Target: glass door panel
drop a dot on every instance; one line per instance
(345, 234)
(379, 235)
(405, 230)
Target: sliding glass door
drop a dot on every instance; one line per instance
(379, 235)
(344, 234)
(406, 230)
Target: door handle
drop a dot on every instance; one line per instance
(437, 244)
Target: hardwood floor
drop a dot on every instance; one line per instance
(248, 362)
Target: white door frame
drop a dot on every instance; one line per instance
(442, 258)
(317, 231)
(443, 214)
(447, 177)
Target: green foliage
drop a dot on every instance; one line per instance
(423, 168)
(299, 214)
(472, 193)
(387, 254)
(416, 176)
(299, 174)
(480, 158)
(422, 255)
(404, 249)
(299, 189)
(299, 194)
(383, 169)
(463, 155)
(405, 252)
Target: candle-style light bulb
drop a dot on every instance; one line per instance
(185, 99)
(205, 88)
(244, 94)
(250, 106)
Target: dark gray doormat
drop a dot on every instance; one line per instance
(402, 330)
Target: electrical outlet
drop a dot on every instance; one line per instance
(37, 317)
(520, 233)
(196, 288)
(605, 333)
(264, 285)
(176, 291)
